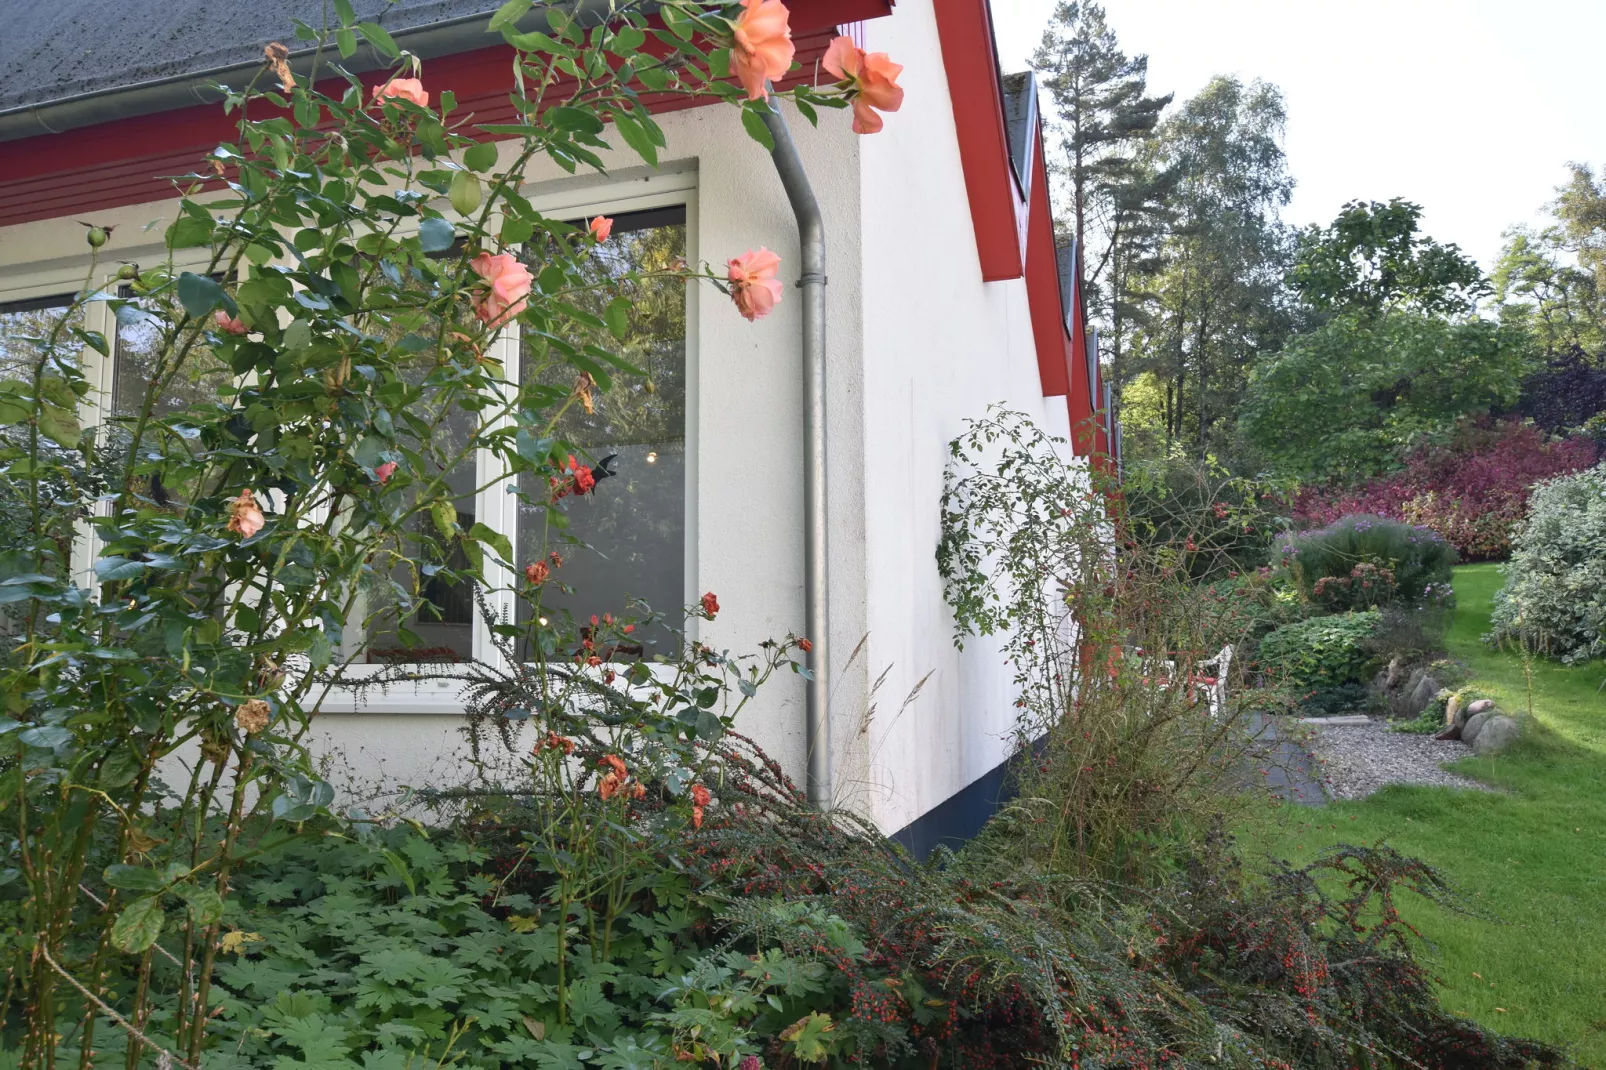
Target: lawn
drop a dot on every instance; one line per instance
(1530, 860)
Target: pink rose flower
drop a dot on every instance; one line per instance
(245, 519)
(762, 46)
(404, 89)
(509, 287)
(601, 227)
(754, 287)
(230, 324)
(872, 80)
(385, 471)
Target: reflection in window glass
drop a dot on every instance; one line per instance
(417, 610)
(633, 525)
(21, 320)
(34, 318)
(134, 371)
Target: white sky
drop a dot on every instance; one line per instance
(1470, 108)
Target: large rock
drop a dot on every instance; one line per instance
(1474, 725)
(1426, 690)
(1496, 734)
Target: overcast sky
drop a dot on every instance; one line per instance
(1471, 108)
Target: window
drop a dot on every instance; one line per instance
(632, 527)
(632, 538)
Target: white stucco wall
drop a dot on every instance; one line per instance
(917, 343)
(940, 345)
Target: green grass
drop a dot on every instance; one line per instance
(1531, 860)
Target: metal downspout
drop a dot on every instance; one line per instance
(811, 239)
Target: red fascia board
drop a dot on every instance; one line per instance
(810, 16)
(965, 30)
(1043, 284)
(131, 161)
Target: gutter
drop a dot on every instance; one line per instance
(811, 240)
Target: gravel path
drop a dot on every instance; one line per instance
(1356, 760)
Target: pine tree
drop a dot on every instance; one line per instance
(1103, 116)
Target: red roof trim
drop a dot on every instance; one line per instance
(997, 208)
(1043, 283)
(1015, 227)
(131, 161)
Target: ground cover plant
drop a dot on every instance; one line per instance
(1528, 858)
(1320, 652)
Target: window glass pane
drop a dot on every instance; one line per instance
(415, 607)
(198, 382)
(633, 525)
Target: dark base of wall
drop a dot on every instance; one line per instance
(959, 817)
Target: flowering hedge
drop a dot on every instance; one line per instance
(1473, 491)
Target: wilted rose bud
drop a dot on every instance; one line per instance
(96, 237)
(253, 716)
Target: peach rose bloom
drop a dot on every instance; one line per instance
(872, 78)
(385, 471)
(510, 287)
(754, 286)
(762, 46)
(405, 89)
(230, 324)
(601, 227)
(245, 519)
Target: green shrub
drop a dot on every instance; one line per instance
(1417, 560)
(1554, 600)
(1252, 604)
(1221, 518)
(1322, 652)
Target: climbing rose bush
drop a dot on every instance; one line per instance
(322, 335)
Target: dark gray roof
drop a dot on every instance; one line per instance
(1065, 261)
(1020, 120)
(55, 50)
